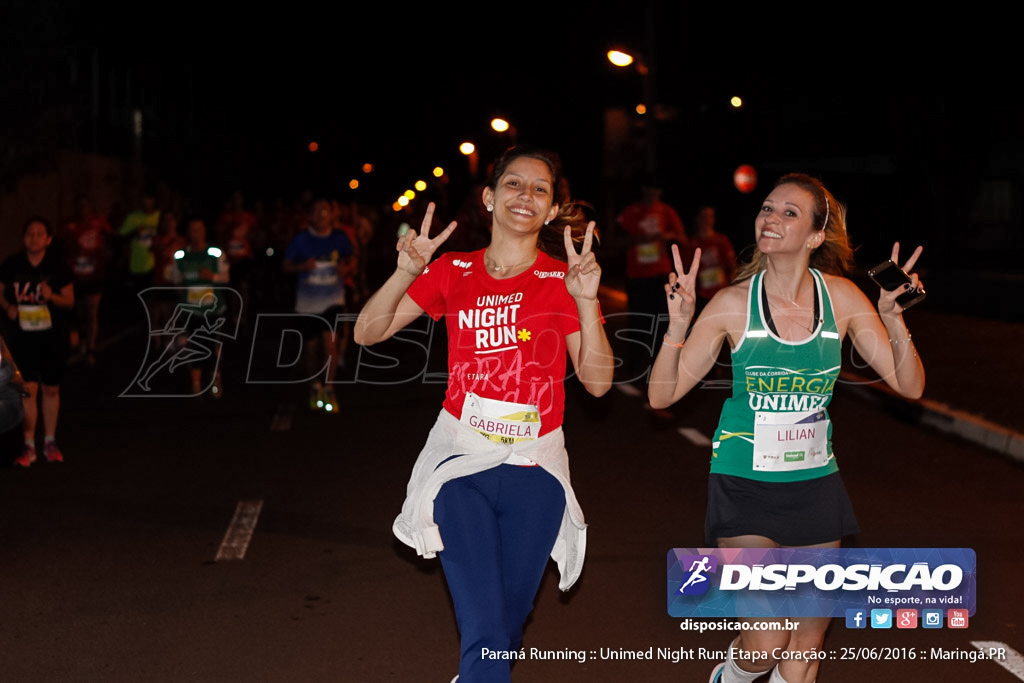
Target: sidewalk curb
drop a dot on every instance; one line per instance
(939, 416)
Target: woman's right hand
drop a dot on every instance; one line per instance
(415, 251)
(681, 289)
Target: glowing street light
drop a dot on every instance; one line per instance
(619, 58)
(500, 125)
(469, 150)
(623, 59)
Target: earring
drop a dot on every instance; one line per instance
(547, 222)
(490, 208)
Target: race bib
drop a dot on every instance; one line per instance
(85, 265)
(648, 252)
(501, 421)
(325, 273)
(711, 277)
(34, 318)
(195, 294)
(786, 442)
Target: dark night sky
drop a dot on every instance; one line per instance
(402, 86)
(896, 118)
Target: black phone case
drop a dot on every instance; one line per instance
(889, 276)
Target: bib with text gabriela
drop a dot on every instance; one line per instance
(501, 421)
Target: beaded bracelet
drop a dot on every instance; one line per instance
(908, 340)
(674, 345)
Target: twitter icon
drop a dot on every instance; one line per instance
(881, 618)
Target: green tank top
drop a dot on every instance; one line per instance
(775, 426)
(199, 291)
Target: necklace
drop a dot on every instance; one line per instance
(794, 317)
(493, 265)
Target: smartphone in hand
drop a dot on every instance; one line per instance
(890, 276)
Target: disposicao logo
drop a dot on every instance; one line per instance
(696, 581)
(820, 582)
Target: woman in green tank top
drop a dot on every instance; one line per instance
(774, 480)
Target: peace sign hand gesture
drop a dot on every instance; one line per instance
(584, 276)
(887, 305)
(681, 289)
(415, 251)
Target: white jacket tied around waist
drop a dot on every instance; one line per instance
(415, 525)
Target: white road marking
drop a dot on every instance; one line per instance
(1014, 662)
(694, 436)
(236, 539)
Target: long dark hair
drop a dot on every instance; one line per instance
(570, 212)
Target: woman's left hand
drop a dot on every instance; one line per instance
(584, 276)
(887, 306)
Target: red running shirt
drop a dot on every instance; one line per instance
(506, 338)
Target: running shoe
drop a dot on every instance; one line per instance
(330, 403)
(716, 673)
(27, 457)
(316, 398)
(52, 453)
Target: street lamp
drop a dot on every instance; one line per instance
(620, 58)
(623, 59)
(468, 149)
(500, 125)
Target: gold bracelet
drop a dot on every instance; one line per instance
(908, 340)
(666, 342)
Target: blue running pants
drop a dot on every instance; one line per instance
(498, 528)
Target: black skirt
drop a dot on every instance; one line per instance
(799, 513)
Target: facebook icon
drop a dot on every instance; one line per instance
(856, 618)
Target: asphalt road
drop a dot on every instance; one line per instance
(109, 559)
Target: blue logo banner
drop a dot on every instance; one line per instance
(818, 582)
